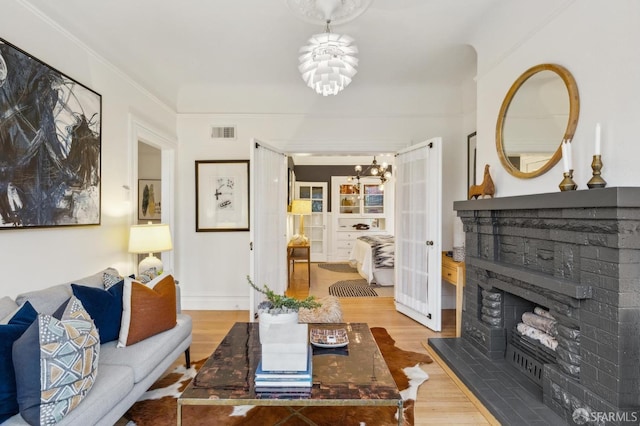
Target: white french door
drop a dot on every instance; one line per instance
(418, 232)
(315, 224)
(268, 239)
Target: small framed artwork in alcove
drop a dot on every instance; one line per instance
(149, 199)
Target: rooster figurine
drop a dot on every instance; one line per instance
(485, 188)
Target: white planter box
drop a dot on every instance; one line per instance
(267, 320)
(285, 347)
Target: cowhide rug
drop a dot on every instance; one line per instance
(158, 407)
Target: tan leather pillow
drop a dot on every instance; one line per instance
(147, 309)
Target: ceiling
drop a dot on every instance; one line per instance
(164, 45)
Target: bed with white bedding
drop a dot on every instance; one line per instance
(374, 257)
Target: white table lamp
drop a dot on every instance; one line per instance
(152, 238)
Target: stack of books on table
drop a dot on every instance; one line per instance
(279, 384)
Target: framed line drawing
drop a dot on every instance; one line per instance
(149, 199)
(471, 160)
(51, 145)
(222, 195)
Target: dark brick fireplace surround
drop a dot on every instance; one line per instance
(577, 254)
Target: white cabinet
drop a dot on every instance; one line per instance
(345, 242)
(368, 200)
(357, 213)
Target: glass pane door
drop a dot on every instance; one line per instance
(418, 212)
(315, 228)
(268, 223)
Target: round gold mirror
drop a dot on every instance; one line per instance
(540, 110)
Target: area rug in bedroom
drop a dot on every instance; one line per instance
(352, 288)
(404, 367)
(337, 267)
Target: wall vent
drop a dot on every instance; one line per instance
(223, 132)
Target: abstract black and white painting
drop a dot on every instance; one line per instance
(50, 141)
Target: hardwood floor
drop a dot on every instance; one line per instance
(440, 400)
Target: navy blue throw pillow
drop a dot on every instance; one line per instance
(104, 307)
(9, 333)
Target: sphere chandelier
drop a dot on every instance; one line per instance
(375, 170)
(328, 62)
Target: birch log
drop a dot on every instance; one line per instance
(536, 334)
(547, 325)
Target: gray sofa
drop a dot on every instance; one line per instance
(124, 374)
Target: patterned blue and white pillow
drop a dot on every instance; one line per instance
(56, 363)
(148, 275)
(109, 280)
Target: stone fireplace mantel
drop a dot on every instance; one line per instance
(619, 197)
(576, 254)
(559, 285)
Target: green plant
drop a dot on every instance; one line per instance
(277, 302)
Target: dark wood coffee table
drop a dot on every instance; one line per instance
(356, 375)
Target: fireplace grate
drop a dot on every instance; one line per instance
(528, 356)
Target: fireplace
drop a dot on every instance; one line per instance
(576, 255)
(531, 332)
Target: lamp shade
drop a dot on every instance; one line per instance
(328, 62)
(150, 238)
(301, 207)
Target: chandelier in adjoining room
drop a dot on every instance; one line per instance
(377, 171)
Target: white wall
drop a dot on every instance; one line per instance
(596, 40)
(149, 161)
(213, 265)
(37, 258)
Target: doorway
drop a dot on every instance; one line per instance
(149, 184)
(153, 164)
(418, 247)
(322, 169)
(315, 226)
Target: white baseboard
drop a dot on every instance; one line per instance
(214, 303)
